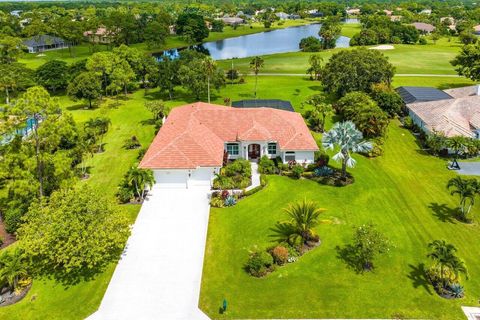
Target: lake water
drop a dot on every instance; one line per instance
(258, 44)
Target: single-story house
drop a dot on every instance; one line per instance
(191, 145)
(426, 12)
(454, 112)
(476, 29)
(101, 35)
(353, 12)
(44, 43)
(262, 103)
(232, 21)
(388, 12)
(423, 27)
(282, 15)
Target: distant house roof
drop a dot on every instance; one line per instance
(421, 94)
(232, 20)
(194, 135)
(425, 27)
(452, 117)
(274, 104)
(43, 40)
(99, 32)
(395, 18)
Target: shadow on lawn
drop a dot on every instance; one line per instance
(443, 212)
(349, 255)
(418, 275)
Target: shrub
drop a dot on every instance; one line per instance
(456, 291)
(217, 202)
(259, 263)
(280, 255)
(252, 191)
(321, 158)
(266, 165)
(310, 44)
(323, 171)
(408, 122)
(1, 241)
(396, 40)
(124, 194)
(297, 171)
(238, 167)
(225, 194)
(263, 180)
(132, 143)
(230, 201)
(422, 41)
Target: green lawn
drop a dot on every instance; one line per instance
(403, 192)
(408, 59)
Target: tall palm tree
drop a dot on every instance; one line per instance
(456, 267)
(319, 112)
(12, 267)
(210, 67)
(256, 64)
(303, 218)
(349, 139)
(443, 255)
(140, 179)
(97, 127)
(466, 190)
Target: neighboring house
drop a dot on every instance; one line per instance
(282, 15)
(424, 27)
(476, 29)
(232, 21)
(44, 43)
(353, 12)
(426, 12)
(101, 35)
(16, 13)
(172, 29)
(190, 147)
(453, 112)
(259, 103)
(388, 12)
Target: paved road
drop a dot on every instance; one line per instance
(469, 168)
(160, 271)
(396, 75)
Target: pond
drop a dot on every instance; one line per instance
(258, 44)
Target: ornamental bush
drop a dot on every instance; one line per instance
(280, 255)
(266, 165)
(259, 263)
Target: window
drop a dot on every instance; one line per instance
(232, 149)
(272, 148)
(289, 156)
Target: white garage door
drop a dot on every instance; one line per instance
(201, 177)
(171, 179)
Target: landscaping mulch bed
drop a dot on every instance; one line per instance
(8, 238)
(8, 298)
(335, 179)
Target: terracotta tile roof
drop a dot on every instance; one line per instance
(194, 135)
(453, 117)
(423, 26)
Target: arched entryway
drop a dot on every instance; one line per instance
(253, 151)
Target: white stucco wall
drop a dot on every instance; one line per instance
(185, 178)
(301, 157)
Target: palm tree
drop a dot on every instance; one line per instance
(443, 255)
(12, 267)
(349, 139)
(466, 190)
(256, 64)
(97, 127)
(319, 113)
(457, 144)
(457, 266)
(210, 67)
(140, 179)
(303, 218)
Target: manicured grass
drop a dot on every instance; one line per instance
(350, 29)
(403, 192)
(408, 59)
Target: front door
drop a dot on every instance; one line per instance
(253, 151)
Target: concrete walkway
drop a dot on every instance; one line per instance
(469, 168)
(159, 274)
(255, 176)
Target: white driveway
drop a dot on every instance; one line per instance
(160, 271)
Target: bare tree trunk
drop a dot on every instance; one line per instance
(37, 157)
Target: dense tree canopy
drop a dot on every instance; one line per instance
(466, 63)
(74, 233)
(192, 27)
(53, 75)
(356, 70)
